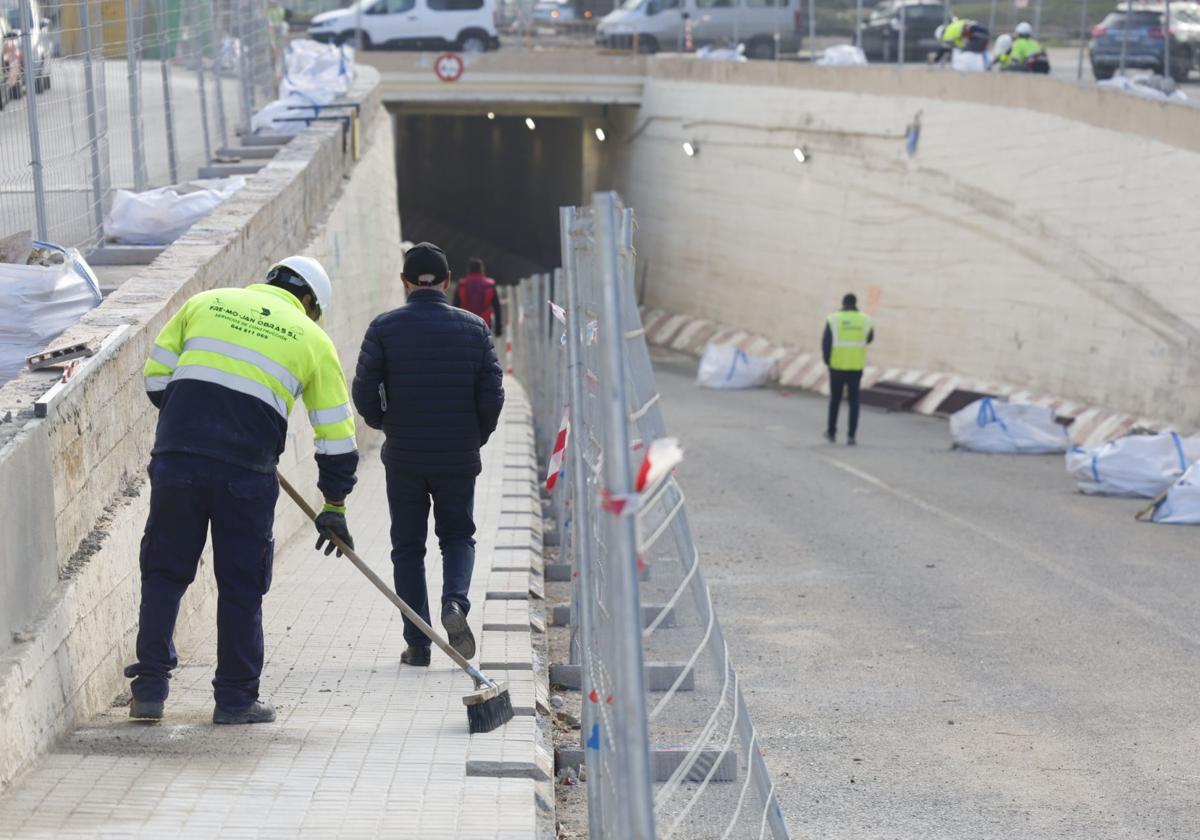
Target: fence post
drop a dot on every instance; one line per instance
(992, 19)
(1083, 38)
(812, 30)
(89, 89)
(160, 26)
(196, 47)
(133, 71)
(247, 87)
(629, 677)
(35, 138)
(1167, 39)
(903, 35)
(1125, 34)
(214, 30)
(1037, 18)
(858, 10)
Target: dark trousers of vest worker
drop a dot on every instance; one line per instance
(188, 494)
(847, 380)
(453, 499)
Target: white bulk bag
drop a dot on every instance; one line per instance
(965, 61)
(726, 366)
(291, 114)
(842, 55)
(317, 67)
(159, 217)
(38, 302)
(1182, 504)
(1136, 465)
(1003, 427)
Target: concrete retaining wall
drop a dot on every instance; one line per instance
(73, 497)
(1043, 235)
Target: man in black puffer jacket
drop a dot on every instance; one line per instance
(428, 376)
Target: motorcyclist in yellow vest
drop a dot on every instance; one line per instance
(844, 347)
(959, 34)
(224, 373)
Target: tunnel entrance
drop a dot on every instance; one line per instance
(491, 187)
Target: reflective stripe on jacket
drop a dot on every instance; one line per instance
(850, 330)
(228, 367)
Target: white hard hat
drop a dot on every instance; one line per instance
(937, 33)
(1023, 28)
(1003, 44)
(314, 276)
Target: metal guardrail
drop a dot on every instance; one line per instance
(669, 745)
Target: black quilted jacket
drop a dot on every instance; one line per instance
(442, 386)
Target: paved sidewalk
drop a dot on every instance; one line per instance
(362, 747)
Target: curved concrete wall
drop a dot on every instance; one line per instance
(1043, 235)
(73, 498)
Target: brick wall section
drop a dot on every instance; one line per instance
(59, 477)
(1041, 236)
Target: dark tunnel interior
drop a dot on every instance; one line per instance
(488, 187)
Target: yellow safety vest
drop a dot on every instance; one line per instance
(258, 341)
(849, 329)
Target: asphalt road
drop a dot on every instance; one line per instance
(936, 644)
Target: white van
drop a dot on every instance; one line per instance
(463, 25)
(659, 25)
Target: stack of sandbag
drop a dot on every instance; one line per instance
(842, 55)
(726, 366)
(988, 425)
(1135, 465)
(44, 289)
(160, 216)
(1181, 505)
(316, 75)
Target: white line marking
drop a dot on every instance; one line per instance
(1147, 614)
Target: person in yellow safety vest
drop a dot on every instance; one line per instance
(224, 373)
(844, 347)
(959, 34)
(1024, 45)
(1002, 54)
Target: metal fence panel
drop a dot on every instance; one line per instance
(669, 744)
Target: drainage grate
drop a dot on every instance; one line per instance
(893, 396)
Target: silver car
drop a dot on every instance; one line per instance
(764, 26)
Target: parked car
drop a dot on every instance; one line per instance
(660, 25)
(42, 44)
(552, 12)
(881, 31)
(1143, 39)
(10, 64)
(464, 25)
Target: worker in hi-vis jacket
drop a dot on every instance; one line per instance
(224, 374)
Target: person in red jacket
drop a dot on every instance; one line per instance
(477, 293)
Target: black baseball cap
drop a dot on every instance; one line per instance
(425, 264)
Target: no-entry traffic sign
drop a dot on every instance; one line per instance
(449, 67)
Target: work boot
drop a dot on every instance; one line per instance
(145, 709)
(455, 622)
(851, 442)
(256, 712)
(831, 437)
(415, 655)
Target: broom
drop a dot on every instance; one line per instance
(489, 706)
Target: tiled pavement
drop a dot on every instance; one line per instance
(362, 747)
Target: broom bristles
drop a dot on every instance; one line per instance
(490, 714)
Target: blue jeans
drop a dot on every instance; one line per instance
(188, 494)
(453, 514)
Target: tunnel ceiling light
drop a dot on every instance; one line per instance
(691, 149)
(600, 135)
(530, 124)
(800, 154)
(491, 115)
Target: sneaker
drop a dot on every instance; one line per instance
(416, 655)
(256, 712)
(851, 442)
(146, 709)
(461, 637)
(831, 437)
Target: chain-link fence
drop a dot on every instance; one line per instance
(122, 94)
(667, 739)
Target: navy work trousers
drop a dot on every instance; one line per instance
(453, 515)
(840, 380)
(188, 494)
